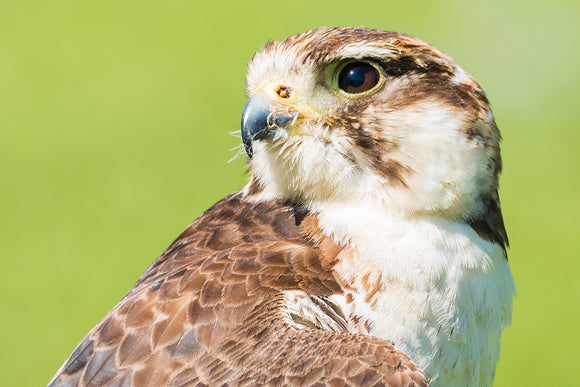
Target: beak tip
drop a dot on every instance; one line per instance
(259, 121)
(249, 150)
(255, 120)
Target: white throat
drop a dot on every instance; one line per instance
(444, 294)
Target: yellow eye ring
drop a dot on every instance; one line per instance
(354, 79)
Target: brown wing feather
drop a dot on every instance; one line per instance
(209, 311)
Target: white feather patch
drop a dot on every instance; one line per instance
(445, 294)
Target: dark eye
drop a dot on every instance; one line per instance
(358, 77)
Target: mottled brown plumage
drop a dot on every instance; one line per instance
(209, 312)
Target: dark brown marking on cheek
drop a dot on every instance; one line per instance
(392, 170)
(364, 129)
(370, 140)
(352, 110)
(366, 142)
(412, 89)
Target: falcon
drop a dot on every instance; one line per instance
(368, 247)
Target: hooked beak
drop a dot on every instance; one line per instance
(262, 117)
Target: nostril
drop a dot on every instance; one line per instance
(283, 91)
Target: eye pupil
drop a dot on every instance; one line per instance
(358, 77)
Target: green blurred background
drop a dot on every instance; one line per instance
(114, 135)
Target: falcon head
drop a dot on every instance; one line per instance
(352, 114)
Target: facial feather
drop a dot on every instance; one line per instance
(424, 143)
